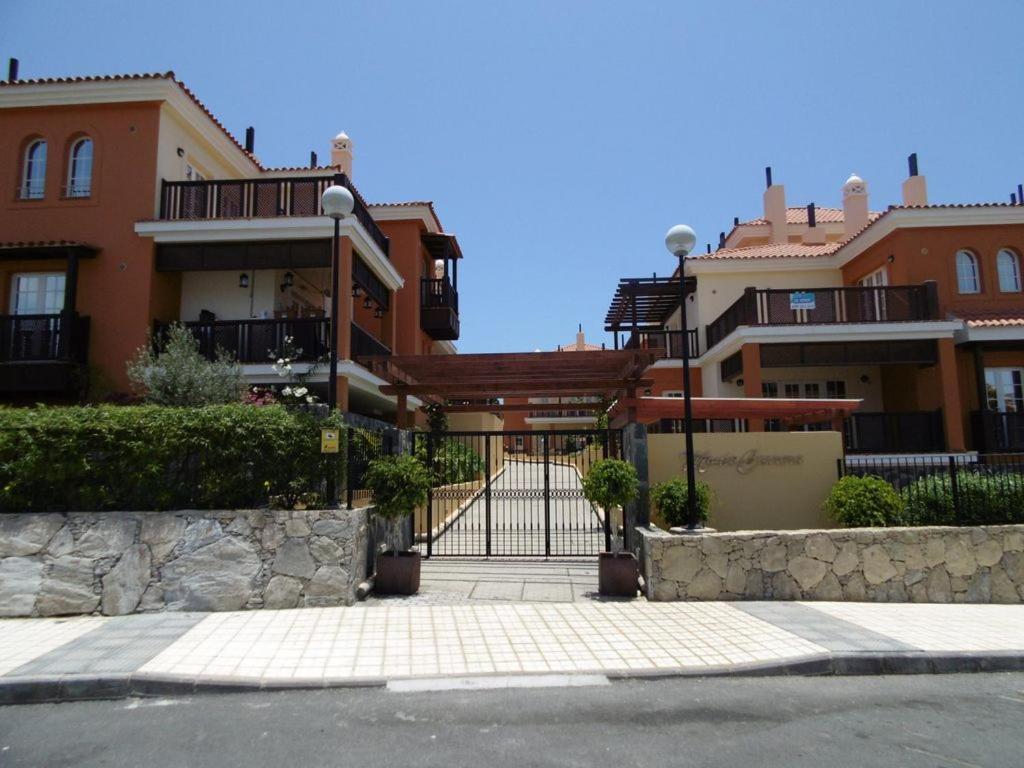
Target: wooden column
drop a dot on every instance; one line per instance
(391, 323)
(952, 408)
(751, 354)
(344, 289)
(401, 413)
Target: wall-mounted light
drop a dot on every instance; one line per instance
(367, 302)
(355, 291)
(379, 311)
(739, 382)
(864, 379)
(647, 393)
(891, 258)
(181, 152)
(243, 280)
(287, 282)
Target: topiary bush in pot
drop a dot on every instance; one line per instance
(399, 484)
(864, 502)
(611, 484)
(670, 498)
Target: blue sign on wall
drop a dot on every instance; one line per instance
(801, 300)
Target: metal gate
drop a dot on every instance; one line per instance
(513, 494)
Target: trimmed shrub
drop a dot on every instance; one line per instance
(453, 461)
(985, 499)
(611, 483)
(154, 457)
(670, 498)
(399, 484)
(864, 502)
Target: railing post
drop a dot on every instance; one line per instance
(750, 314)
(547, 496)
(954, 487)
(487, 494)
(349, 466)
(931, 300)
(430, 494)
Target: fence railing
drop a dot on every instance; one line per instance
(826, 306)
(670, 341)
(438, 293)
(896, 432)
(36, 338)
(995, 431)
(256, 341)
(260, 198)
(365, 345)
(960, 489)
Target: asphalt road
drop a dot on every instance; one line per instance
(948, 720)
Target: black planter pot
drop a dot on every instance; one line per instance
(618, 574)
(397, 574)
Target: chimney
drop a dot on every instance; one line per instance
(915, 188)
(775, 208)
(1020, 194)
(709, 247)
(250, 139)
(312, 159)
(341, 153)
(855, 205)
(581, 343)
(814, 235)
(12, 70)
(1013, 198)
(721, 240)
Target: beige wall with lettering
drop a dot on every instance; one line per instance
(749, 494)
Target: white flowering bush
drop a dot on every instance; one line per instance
(295, 391)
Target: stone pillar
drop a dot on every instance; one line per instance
(949, 383)
(637, 512)
(752, 380)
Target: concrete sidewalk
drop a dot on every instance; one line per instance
(98, 657)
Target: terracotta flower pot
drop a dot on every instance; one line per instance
(618, 574)
(397, 574)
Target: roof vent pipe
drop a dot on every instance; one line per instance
(12, 70)
(721, 239)
(735, 221)
(912, 164)
(768, 175)
(812, 220)
(250, 139)
(312, 159)
(709, 247)
(1013, 198)
(1020, 194)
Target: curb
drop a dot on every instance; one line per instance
(70, 687)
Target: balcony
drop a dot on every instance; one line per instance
(259, 341)
(40, 353)
(670, 341)
(826, 306)
(996, 431)
(259, 198)
(366, 345)
(439, 309)
(895, 432)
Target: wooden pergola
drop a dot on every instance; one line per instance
(474, 383)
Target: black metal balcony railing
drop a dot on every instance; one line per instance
(996, 431)
(439, 308)
(365, 345)
(562, 414)
(36, 338)
(671, 341)
(828, 306)
(258, 341)
(259, 198)
(895, 432)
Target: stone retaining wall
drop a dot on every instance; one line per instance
(939, 565)
(125, 562)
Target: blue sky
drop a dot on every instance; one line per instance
(560, 140)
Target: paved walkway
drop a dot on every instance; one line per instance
(518, 527)
(95, 657)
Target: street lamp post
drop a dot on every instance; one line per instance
(337, 203)
(680, 241)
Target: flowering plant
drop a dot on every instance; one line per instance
(295, 392)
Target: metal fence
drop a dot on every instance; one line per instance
(963, 489)
(366, 439)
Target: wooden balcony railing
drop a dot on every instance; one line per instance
(671, 341)
(36, 338)
(439, 308)
(995, 431)
(258, 341)
(260, 198)
(895, 432)
(365, 345)
(828, 306)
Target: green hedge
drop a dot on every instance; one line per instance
(985, 499)
(155, 457)
(861, 502)
(453, 462)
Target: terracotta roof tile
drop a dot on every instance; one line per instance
(771, 251)
(138, 76)
(935, 207)
(799, 216)
(996, 322)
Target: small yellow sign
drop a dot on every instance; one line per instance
(328, 441)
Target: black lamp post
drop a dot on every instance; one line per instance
(337, 203)
(680, 241)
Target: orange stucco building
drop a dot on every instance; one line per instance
(129, 206)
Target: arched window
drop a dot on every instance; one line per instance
(80, 168)
(967, 277)
(1009, 271)
(33, 175)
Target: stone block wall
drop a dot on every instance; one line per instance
(124, 562)
(939, 565)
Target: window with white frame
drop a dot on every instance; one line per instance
(80, 168)
(876, 279)
(1005, 389)
(968, 279)
(33, 172)
(1009, 271)
(40, 293)
(672, 393)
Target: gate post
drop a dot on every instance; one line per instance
(487, 494)
(430, 494)
(350, 464)
(547, 495)
(636, 512)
